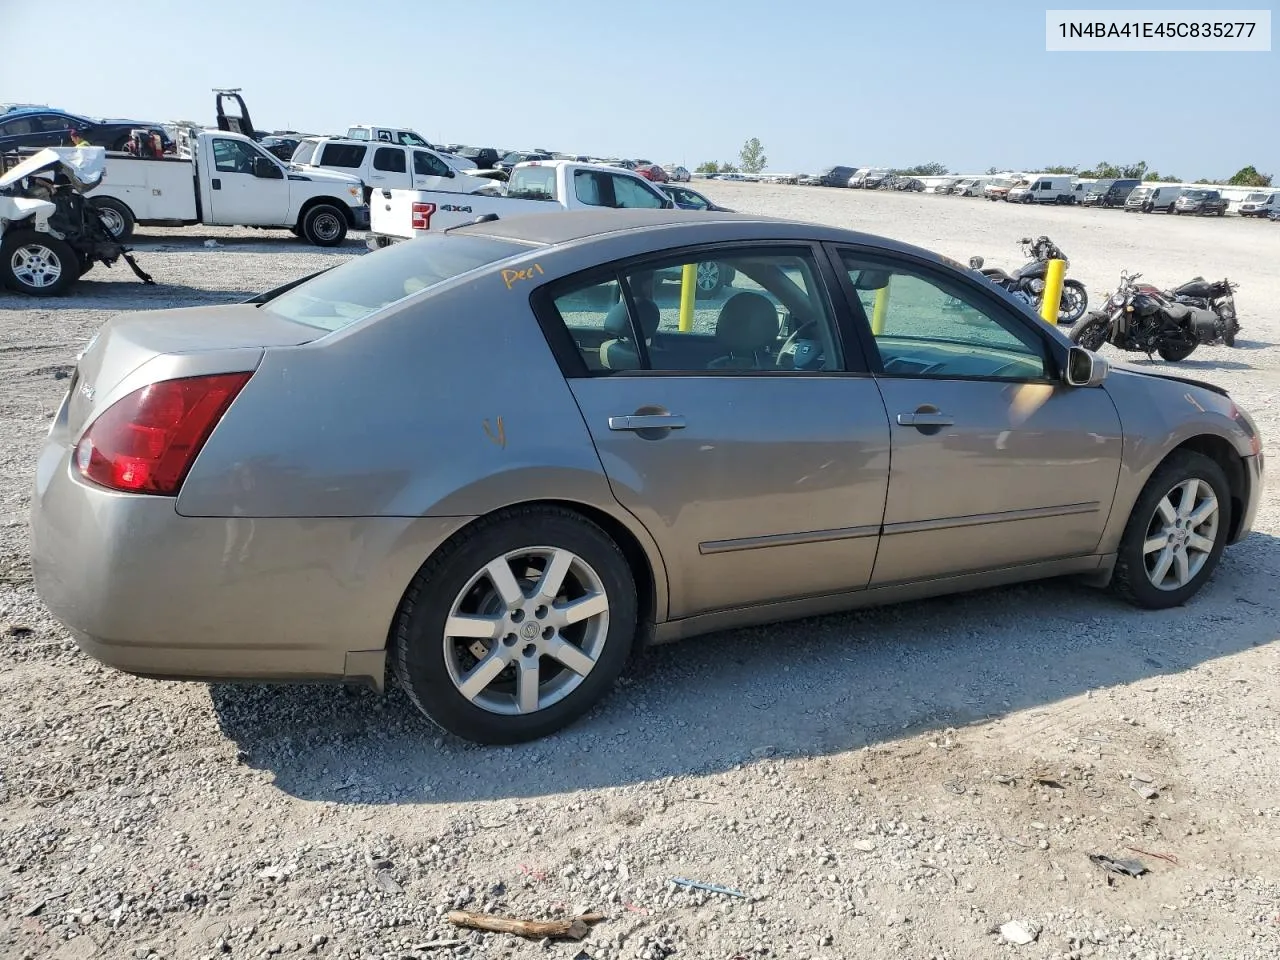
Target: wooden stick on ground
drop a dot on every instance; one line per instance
(576, 929)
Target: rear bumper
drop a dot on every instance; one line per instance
(153, 593)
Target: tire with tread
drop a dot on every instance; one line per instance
(1130, 580)
(69, 262)
(1085, 334)
(324, 225)
(417, 653)
(117, 218)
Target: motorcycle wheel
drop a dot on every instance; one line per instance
(1093, 333)
(1173, 351)
(1074, 302)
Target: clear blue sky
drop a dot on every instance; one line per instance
(819, 82)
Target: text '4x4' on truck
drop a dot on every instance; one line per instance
(537, 186)
(225, 178)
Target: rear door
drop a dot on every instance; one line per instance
(737, 428)
(390, 168)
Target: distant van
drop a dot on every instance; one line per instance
(1111, 193)
(1260, 205)
(1055, 189)
(1149, 199)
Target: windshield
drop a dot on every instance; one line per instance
(360, 287)
(303, 151)
(1197, 194)
(1255, 198)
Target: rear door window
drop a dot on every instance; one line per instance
(349, 155)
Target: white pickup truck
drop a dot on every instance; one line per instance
(535, 187)
(225, 178)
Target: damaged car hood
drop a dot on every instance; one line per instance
(83, 166)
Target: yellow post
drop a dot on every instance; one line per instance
(1052, 303)
(880, 309)
(688, 287)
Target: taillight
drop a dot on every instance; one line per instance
(147, 441)
(421, 215)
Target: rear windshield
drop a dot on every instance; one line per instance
(532, 183)
(360, 287)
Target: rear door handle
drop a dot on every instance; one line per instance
(925, 420)
(648, 421)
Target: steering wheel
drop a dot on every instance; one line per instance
(789, 346)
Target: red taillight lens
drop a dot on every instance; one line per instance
(147, 441)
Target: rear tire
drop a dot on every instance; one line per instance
(324, 225)
(37, 264)
(1140, 556)
(442, 671)
(1092, 334)
(1175, 352)
(116, 217)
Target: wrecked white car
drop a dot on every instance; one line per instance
(49, 234)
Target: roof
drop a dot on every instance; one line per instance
(694, 226)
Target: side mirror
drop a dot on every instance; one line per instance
(975, 263)
(264, 169)
(1085, 368)
(871, 280)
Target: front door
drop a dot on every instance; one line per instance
(431, 173)
(236, 195)
(728, 427)
(995, 462)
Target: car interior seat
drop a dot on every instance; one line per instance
(621, 353)
(746, 328)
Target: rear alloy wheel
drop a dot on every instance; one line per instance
(517, 626)
(37, 264)
(1176, 533)
(324, 225)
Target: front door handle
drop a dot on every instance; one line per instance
(648, 421)
(924, 419)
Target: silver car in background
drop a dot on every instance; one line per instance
(493, 461)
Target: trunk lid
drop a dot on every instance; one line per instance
(127, 341)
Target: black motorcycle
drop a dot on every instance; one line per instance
(1139, 319)
(1215, 295)
(1027, 282)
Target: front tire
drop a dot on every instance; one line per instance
(1176, 533)
(324, 225)
(116, 217)
(517, 626)
(1093, 333)
(37, 264)
(1074, 302)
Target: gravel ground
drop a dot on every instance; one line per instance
(895, 783)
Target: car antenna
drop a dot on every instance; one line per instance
(483, 218)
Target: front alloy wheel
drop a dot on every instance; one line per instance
(1176, 532)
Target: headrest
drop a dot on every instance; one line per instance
(616, 323)
(748, 322)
